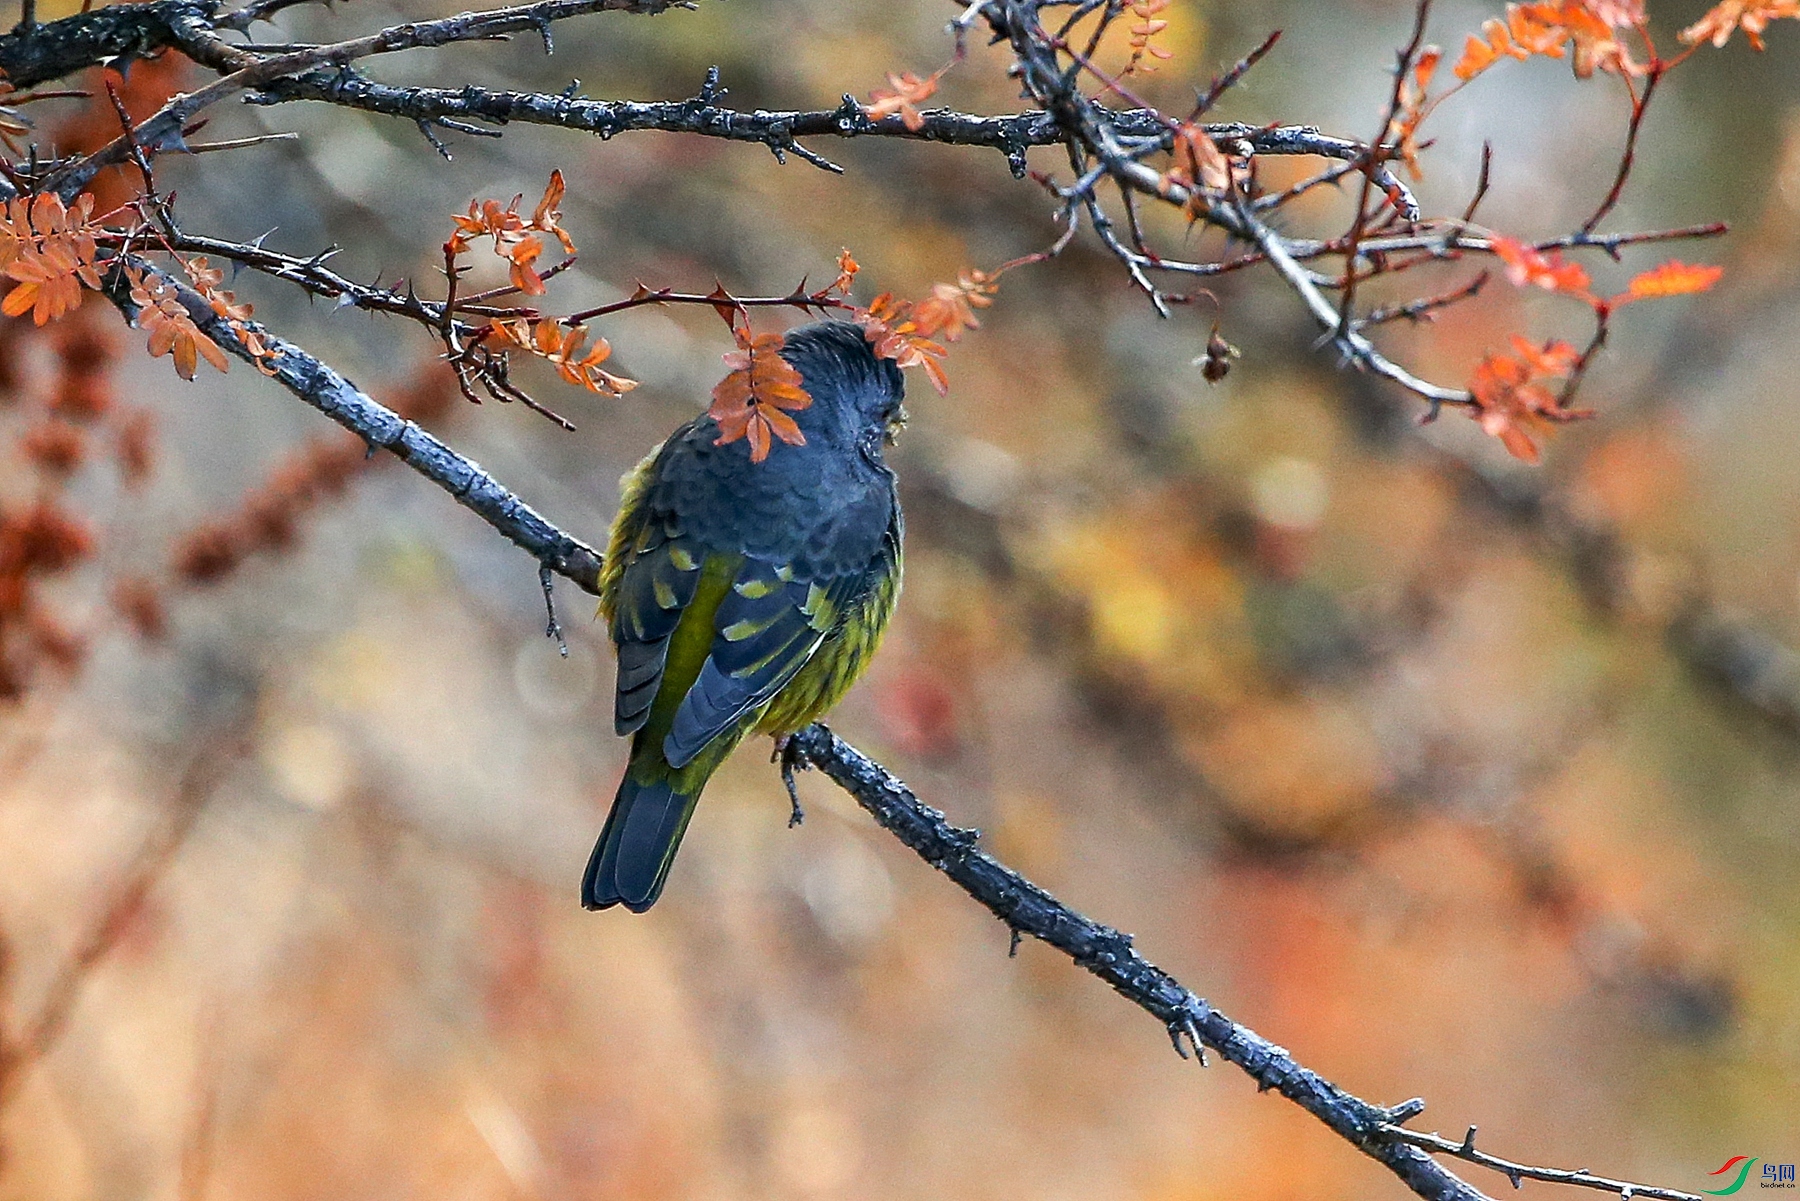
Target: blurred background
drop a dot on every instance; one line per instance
(1458, 777)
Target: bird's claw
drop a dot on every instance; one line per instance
(787, 753)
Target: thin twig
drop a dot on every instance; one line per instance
(1516, 1172)
(1402, 67)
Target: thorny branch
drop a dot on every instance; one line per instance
(383, 429)
(1107, 953)
(1106, 145)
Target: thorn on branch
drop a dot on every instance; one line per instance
(851, 119)
(710, 91)
(1012, 946)
(436, 144)
(1406, 1111)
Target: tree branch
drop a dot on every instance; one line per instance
(342, 401)
(35, 54)
(1108, 954)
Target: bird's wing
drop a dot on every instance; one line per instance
(655, 587)
(767, 626)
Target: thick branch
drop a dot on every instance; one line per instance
(1108, 954)
(342, 401)
(162, 130)
(36, 54)
(1012, 134)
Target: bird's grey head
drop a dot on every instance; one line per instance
(856, 397)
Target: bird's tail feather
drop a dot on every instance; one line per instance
(637, 847)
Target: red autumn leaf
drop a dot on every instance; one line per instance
(903, 95)
(1527, 265)
(950, 309)
(1673, 278)
(1752, 16)
(754, 400)
(894, 333)
(1510, 402)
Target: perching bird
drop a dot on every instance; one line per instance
(744, 597)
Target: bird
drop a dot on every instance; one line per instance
(744, 596)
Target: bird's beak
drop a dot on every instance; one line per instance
(896, 423)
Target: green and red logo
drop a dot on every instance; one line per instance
(1742, 1164)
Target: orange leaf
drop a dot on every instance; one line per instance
(847, 269)
(1752, 16)
(1673, 278)
(893, 333)
(1527, 265)
(1477, 56)
(1509, 403)
(562, 348)
(749, 402)
(902, 95)
(950, 309)
(1425, 66)
(547, 216)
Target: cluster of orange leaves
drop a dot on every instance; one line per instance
(1752, 16)
(515, 239)
(1510, 400)
(903, 95)
(171, 326)
(1143, 29)
(233, 312)
(1590, 28)
(1527, 266)
(561, 346)
(1403, 132)
(754, 399)
(48, 250)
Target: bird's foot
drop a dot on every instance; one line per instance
(788, 755)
